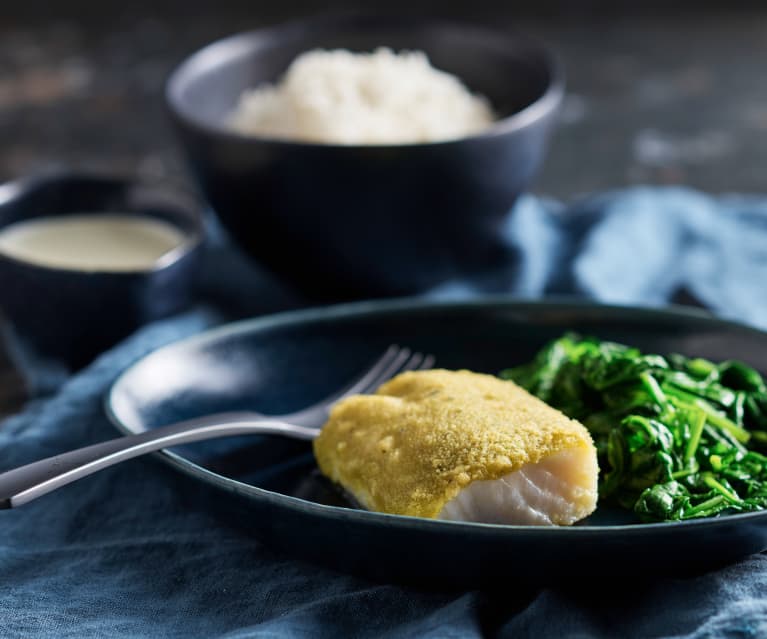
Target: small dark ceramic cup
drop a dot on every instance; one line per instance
(72, 315)
(360, 221)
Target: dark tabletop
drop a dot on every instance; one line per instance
(654, 97)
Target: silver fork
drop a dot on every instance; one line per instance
(21, 485)
(393, 361)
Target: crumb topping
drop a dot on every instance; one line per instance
(425, 435)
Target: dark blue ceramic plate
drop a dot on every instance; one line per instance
(271, 486)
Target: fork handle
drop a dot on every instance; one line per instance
(29, 482)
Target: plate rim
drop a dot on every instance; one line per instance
(368, 307)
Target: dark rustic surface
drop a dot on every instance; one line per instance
(656, 97)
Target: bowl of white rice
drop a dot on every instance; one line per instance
(382, 97)
(367, 156)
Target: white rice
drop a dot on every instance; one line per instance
(383, 97)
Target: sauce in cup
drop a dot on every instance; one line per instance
(91, 242)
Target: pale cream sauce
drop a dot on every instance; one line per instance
(91, 242)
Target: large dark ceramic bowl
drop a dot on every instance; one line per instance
(348, 221)
(72, 315)
(271, 485)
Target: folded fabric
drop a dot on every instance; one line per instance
(643, 246)
(127, 552)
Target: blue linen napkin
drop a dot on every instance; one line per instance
(124, 554)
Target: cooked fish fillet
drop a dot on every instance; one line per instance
(461, 446)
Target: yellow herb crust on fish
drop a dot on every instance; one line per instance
(424, 436)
